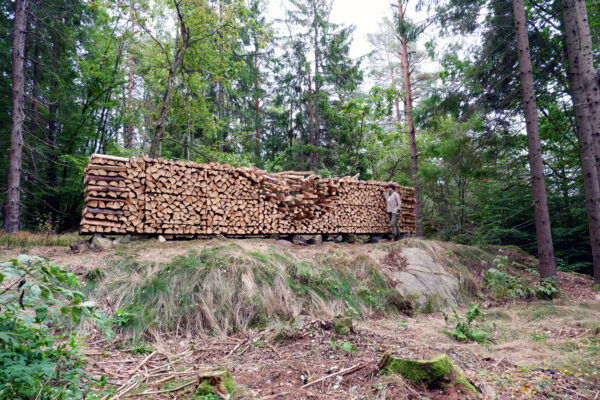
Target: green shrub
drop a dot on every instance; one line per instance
(40, 307)
(503, 285)
(463, 330)
(546, 289)
(342, 345)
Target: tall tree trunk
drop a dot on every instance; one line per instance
(584, 133)
(35, 104)
(396, 97)
(256, 101)
(414, 169)
(130, 132)
(588, 74)
(221, 115)
(317, 54)
(540, 203)
(180, 51)
(15, 161)
(311, 115)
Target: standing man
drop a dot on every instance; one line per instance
(393, 208)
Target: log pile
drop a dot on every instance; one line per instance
(156, 196)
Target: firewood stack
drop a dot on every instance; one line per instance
(186, 199)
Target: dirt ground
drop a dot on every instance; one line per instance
(538, 349)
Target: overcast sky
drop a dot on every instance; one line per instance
(365, 15)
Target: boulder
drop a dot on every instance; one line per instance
(122, 240)
(316, 239)
(161, 238)
(100, 243)
(439, 372)
(425, 281)
(299, 239)
(350, 238)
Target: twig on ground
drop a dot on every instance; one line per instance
(597, 394)
(169, 390)
(163, 380)
(274, 350)
(144, 361)
(180, 358)
(235, 348)
(342, 372)
(574, 392)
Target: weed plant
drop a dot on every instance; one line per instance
(40, 307)
(463, 329)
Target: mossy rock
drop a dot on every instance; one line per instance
(343, 326)
(216, 381)
(438, 372)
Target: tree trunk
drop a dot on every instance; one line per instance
(584, 133)
(311, 114)
(540, 203)
(393, 78)
(414, 169)
(15, 161)
(588, 74)
(164, 107)
(317, 53)
(130, 132)
(256, 101)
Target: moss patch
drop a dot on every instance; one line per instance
(343, 326)
(437, 372)
(216, 381)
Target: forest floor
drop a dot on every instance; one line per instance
(538, 349)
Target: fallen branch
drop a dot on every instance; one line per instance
(180, 358)
(342, 372)
(574, 392)
(144, 361)
(169, 390)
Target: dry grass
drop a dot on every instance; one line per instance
(26, 240)
(226, 289)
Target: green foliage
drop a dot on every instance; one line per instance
(122, 319)
(504, 285)
(209, 396)
(546, 289)
(39, 352)
(463, 330)
(142, 349)
(342, 345)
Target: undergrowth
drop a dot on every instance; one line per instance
(463, 328)
(40, 306)
(507, 282)
(23, 239)
(223, 290)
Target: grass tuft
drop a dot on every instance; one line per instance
(224, 290)
(25, 240)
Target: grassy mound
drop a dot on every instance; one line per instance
(225, 289)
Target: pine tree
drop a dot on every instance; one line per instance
(547, 265)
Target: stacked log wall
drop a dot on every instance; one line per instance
(156, 196)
